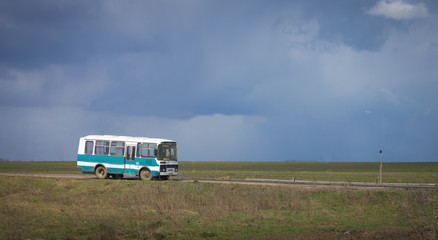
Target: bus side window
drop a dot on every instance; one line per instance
(117, 149)
(102, 147)
(89, 147)
(153, 150)
(146, 150)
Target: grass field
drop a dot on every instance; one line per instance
(52, 208)
(46, 208)
(325, 171)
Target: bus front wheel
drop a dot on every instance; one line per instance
(145, 174)
(101, 172)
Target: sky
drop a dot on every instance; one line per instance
(249, 80)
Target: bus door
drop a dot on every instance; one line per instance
(129, 160)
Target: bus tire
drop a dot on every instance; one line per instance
(145, 174)
(101, 172)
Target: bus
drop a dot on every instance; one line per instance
(109, 156)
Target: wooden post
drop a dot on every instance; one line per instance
(381, 165)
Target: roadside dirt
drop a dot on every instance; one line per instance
(271, 182)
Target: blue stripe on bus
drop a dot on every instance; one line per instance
(86, 168)
(116, 170)
(101, 159)
(146, 162)
(117, 160)
(113, 170)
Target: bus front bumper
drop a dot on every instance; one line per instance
(168, 170)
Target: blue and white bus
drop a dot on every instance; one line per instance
(110, 156)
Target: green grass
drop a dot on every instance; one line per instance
(417, 172)
(313, 166)
(426, 172)
(47, 208)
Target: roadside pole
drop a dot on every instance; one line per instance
(381, 165)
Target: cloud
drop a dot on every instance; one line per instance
(229, 81)
(399, 10)
(390, 96)
(50, 134)
(53, 85)
(214, 137)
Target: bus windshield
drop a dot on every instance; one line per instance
(167, 151)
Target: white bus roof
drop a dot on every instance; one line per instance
(125, 138)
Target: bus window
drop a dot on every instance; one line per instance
(102, 147)
(146, 150)
(153, 149)
(89, 147)
(117, 149)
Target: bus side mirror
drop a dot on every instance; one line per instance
(155, 152)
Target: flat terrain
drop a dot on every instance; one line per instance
(318, 171)
(58, 208)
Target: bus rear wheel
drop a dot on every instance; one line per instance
(145, 174)
(101, 172)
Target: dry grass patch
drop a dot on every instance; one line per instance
(127, 209)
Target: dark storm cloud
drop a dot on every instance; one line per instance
(35, 34)
(38, 33)
(247, 80)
